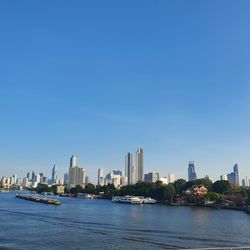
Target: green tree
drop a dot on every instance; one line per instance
(77, 189)
(53, 188)
(221, 187)
(169, 192)
(90, 188)
(43, 188)
(180, 186)
(248, 197)
(215, 196)
(206, 182)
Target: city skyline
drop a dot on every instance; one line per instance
(75, 171)
(101, 79)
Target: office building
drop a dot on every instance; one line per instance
(243, 183)
(191, 171)
(233, 177)
(25, 182)
(100, 178)
(76, 174)
(115, 179)
(171, 178)
(54, 175)
(86, 180)
(236, 171)
(151, 177)
(128, 168)
(73, 161)
(13, 179)
(134, 178)
(66, 178)
(164, 180)
(139, 165)
(223, 177)
(33, 177)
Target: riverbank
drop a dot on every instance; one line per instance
(211, 206)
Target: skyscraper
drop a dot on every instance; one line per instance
(236, 172)
(243, 183)
(33, 176)
(100, 180)
(139, 164)
(54, 177)
(66, 178)
(191, 171)
(247, 181)
(73, 161)
(86, 180)
(233, 177)
(134, 178)
(76, 174)
(128, 167)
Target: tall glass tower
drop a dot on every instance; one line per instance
(54, 177)
(128, 168)
(139, 164)
(191, 171)
(236, 172)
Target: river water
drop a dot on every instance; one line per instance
(101, 224)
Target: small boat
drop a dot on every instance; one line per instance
(149, 200)
(131, 199)
(116, 198)
(89, 196)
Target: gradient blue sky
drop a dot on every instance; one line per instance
(100, 78)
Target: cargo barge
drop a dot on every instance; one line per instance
(38, 199)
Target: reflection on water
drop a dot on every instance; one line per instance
(82, 224)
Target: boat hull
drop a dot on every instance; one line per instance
(38, 199)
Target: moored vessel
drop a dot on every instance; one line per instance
(149, 200)
(116, 198)
(131, 199)
(38, 199)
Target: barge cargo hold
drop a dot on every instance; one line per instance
(38, 199)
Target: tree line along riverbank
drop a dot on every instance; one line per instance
(200, 192)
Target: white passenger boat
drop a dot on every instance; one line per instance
(149, 200)
(131, 199)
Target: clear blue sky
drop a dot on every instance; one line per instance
(100, 78)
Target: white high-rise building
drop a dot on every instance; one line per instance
(76, 174)
(134, 178)
(171, 178)
(164, 180)
(37, 178)
(139, 166)
(115, 178)
(100, 180)
(73, 161)
(128, 168)
(247, 182)
(19, 181)
(25, 182)
(13, 179)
